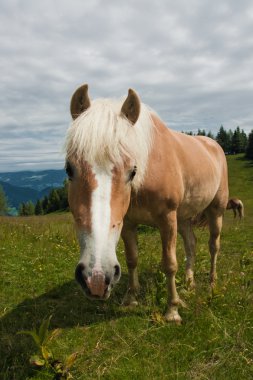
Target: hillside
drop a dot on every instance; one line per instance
(37, 180)
(116, 342)
(27, 186)
(17, 195)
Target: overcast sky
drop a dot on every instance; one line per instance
(191, 61)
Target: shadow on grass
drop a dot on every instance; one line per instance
(248, 162)
(68, 307)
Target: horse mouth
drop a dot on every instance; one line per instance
(93, 297)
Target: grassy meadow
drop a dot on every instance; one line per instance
(215, 341)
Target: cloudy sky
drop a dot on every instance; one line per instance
(190, 60)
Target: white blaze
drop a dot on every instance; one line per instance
(101, 215)
(98, 248)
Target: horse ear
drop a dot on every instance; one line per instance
(80, 101)
(132, 106)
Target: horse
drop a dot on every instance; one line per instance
(126, 167)
(236, 204)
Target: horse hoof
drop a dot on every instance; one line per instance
(190, 284)
(129, 300)
(173, 316)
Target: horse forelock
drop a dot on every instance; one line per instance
(101, 136)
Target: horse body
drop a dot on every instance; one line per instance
(186, 176)
(178, 177)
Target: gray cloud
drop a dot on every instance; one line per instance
(189, 60)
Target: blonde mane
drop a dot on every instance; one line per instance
(103, 136)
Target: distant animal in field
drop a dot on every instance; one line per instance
(125, 168)
(237, 206)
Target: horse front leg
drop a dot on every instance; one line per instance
(168, 231)
(129, 236)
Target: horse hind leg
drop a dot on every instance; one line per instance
(189, 239)
(215, 225)
(241, 210)
(129, 236)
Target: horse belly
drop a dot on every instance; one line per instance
(139, 215)
(195, 202)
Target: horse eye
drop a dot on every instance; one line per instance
(132, 173)
(69, 170)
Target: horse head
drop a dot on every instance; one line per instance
(99, 189)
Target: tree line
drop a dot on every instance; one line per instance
(232, 142)
(55, 201)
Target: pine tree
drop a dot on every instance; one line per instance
(239, 141)
(210, 135)
(38, 208)
(249, 149)
(3, 202)
(244, 141)
(26, 209)
(223, 139)
(21, 209)
(30, 208)
(230, 135)
(45, 204)
(53, 201)
(63, 195)
(236, 141)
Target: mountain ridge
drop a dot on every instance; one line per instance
(24, 186)
(34, 179)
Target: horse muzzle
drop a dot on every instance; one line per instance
(96, 285)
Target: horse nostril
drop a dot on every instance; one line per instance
(79, 273)
(107, 280)
(117, 270)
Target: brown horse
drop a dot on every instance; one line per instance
(126, 167)
(236, 204)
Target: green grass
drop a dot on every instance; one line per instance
(38, 259)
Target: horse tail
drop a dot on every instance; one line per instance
(241, 209)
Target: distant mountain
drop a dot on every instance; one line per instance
(17, 195)
(27, 186)
(36, 180)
